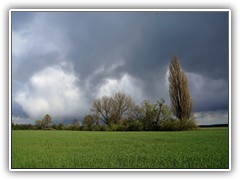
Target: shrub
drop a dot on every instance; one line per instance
(135, 125)
(169, 125)
(187, 124)
(112, 127)
(96, 128)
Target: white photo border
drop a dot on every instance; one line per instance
(119, 10)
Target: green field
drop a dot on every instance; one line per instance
(204, 148)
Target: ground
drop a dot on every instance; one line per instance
(203, 148)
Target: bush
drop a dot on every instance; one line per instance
(125, 125)
(169, 125)
(49, 128)
(188, 124)
(177, 125)
(122, 125)
(102, 128)
(112, 127)
(96, 128)
(135, 125)
(67, 127)
(22, 126)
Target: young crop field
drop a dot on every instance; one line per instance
(204, 148)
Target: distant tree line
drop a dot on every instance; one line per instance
(119, 112)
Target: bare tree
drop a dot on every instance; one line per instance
(181, 101)
(136, 113)
(47, 120)
(112, 109)
(121, 104)
(88, 122)
(103, 106)
(39, 124)
(75, 124)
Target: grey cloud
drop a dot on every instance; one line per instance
(21, 19)
(211, 117)
(108, 45)
(207, 93)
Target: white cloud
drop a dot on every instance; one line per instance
(52, 91)
(55, 90)
(127, 84)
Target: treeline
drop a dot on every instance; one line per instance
(59, 126)
(120, 113)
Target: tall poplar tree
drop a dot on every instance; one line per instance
(181, 101)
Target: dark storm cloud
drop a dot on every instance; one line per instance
(99, 47)
(200, 39)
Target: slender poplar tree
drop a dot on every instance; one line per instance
(181, 101)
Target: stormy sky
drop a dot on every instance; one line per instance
(62, 61)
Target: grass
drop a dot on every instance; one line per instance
(204, 148)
